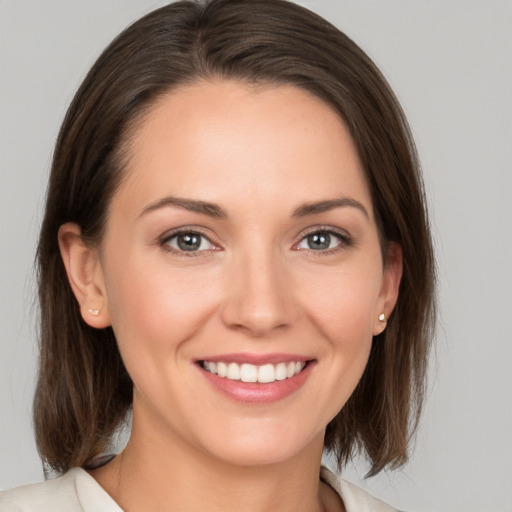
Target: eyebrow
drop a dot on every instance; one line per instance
(214, 210)
(193, 205)
(327, 205)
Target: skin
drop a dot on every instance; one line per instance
(255, 286)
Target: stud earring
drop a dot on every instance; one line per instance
(382, 317)
(94, 312)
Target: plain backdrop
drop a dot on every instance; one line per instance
(450, 63)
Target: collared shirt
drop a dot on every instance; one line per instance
(77, 491)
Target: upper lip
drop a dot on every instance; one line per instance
(255, 359)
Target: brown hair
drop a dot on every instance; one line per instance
(84, 391)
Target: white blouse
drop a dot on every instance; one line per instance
(77, 491)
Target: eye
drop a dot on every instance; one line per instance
(188, 241)
(323, 240)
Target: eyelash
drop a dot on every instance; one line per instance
(344, 238)
(164, 241)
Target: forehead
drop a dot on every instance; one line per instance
(221, 139)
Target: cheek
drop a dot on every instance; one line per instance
(343, 304)
(154, 307)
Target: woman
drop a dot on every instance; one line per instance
(236, 248)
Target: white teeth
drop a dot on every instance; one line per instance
(248, 373)
(281, 371)
(251, 373)
(222, 369)
(233, 371)
(266, 373)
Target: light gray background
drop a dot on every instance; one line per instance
(449, 62)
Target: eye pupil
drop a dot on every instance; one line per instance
(319, 241)
(189, 242)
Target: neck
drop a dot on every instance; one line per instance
(155, 472)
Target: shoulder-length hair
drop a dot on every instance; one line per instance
(83, 388)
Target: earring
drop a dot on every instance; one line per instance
(382, 317)
(94, 312)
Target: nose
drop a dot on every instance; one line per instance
(259, 295)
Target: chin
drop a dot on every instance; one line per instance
(262, 446)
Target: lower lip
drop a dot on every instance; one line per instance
(254, 392)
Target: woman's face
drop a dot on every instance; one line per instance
(243, 240)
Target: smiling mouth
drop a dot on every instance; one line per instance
(245, 372)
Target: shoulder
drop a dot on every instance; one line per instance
(354, 498)
(75, 491)
(57, 494)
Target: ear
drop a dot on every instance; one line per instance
(85, 275)
(391, 277)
